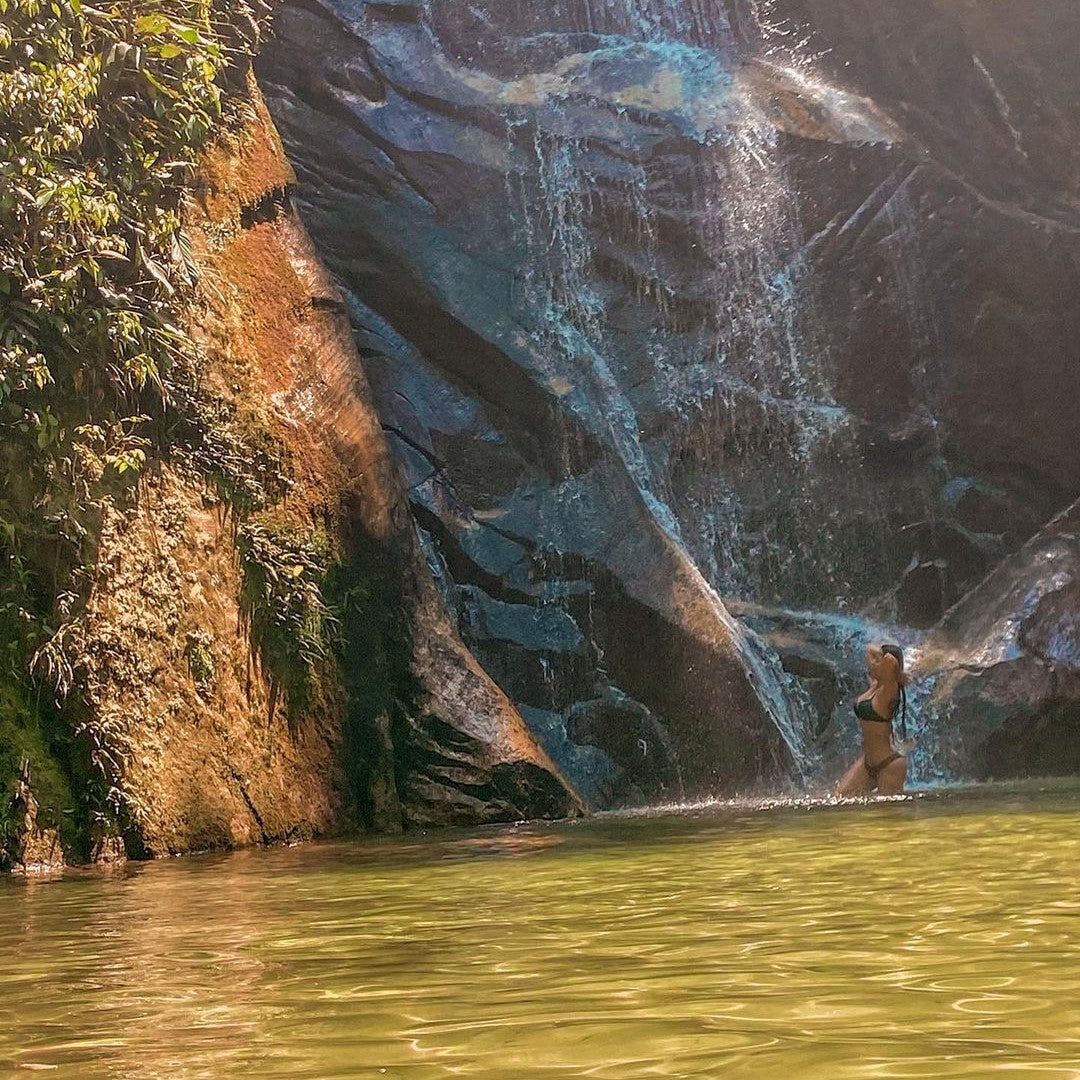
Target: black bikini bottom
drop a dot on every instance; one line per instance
(874, 771)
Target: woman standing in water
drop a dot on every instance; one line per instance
(881, 767)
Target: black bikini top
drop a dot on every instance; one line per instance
(864, 710)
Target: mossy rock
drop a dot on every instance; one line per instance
(30, 734)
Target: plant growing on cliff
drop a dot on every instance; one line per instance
(282, 602)
(102, 111)
(200, 658)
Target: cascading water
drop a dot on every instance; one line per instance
(772, 501)
(778, 526)
(693, 20)
(772, 401)
(745, 211)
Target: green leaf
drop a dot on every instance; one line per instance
(149, 25)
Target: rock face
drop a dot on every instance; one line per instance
(1005, 662)
(175, 702)
(663, 302)
(32, 848)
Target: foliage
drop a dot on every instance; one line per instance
(200, 658)
(28, 732)
(281, 599)
(243, 461)
(102, 111)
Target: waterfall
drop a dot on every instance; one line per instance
(688, 20)
(749, 463)
(780, 468)
(560, 295)
(565, 203)
(772, 400)
(785, 700)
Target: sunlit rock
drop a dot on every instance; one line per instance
(666, 305)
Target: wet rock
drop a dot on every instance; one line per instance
(108, 850)
(587, 764)
(1005, 662)
(665, 306)
(32, 848)
(541, 628)
(635, 740)
(1043, 743)
(818, 676)
(920, 599)
(453, 778)
(1053, 630)
(824, 656)
(945, 561)
(981, 508)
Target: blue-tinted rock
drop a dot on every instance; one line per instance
(682, 307)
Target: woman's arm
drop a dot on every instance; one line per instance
(888, 688)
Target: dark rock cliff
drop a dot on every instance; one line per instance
(663, 302)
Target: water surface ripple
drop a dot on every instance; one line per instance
(935, 937)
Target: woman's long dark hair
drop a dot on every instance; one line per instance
(898, 654)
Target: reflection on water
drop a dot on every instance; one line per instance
(932, 937)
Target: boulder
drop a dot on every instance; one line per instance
(1004, 664)
(32, 848)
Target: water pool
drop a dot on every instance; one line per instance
(937, 936)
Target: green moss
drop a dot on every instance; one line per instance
(374, 647)
(28, 734)
(200, 658)
(281, 600)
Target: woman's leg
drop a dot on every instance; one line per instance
(891, 780)
(856, 781)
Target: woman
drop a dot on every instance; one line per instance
(881, 767)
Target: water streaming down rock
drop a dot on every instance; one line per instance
(825, 651)
(671, 301)
(747, 228)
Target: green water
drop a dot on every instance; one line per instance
(937, 937)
